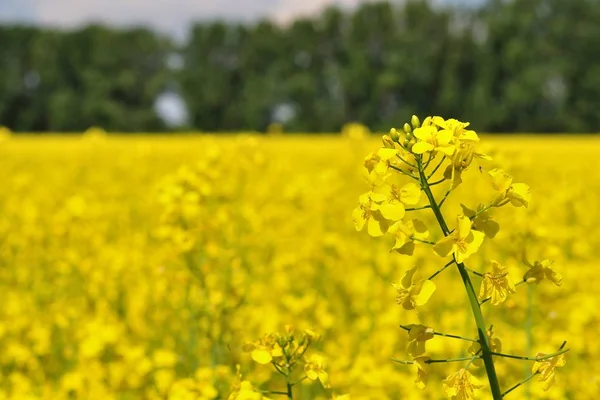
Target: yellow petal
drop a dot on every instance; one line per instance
(386, 154)
(375, 228)
(392, 211)
(422, 147)
(427, 289)
(501, 181)
(444, 246)
(410, 194)
(425, 133)
(444, 137)
(463, 226)
(358, 218)
(520, 194)
(261, 356)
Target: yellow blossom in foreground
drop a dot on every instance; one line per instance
(417, 336)
(412, 294)
(368, 212)
(315, 369)
(461, 385)
(463, 242)
(496, 284)
(545, 369)
(405, 233)
(430, 139)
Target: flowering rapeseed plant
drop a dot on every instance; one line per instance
(418, 155)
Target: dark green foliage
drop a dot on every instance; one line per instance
(507, 66)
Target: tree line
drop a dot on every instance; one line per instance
(506, 66)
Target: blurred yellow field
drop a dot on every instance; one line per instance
(138, 267)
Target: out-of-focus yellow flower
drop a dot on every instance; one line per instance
(541, 270)
(496, 284)
(412, 294)
(519, 194)
(421, 369)
(264, 350)
(463, 242)
(545, 369)
(461, 385)
(417, 336)
(315, 369)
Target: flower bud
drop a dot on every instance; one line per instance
(407, 128)
(394, 135)
(388, 142)
(414, 120)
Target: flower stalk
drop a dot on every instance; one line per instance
(484, 341)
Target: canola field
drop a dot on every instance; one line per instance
(142, 267)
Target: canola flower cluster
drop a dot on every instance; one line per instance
(205, 267)
(418, 154)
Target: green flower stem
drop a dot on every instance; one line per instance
(519, 384)
(406, 162)
(421, 240)
(484, 340)
(437, 182)
(445, 197)
(406, 328)
(439, 271)
(437, 361)
(473, 359)
(544, 357)
(289, 391)
(478, 213)
(474, 272)
(274, 392)
(298, 381)
(417, 208)
(403, 172)
(436, 168)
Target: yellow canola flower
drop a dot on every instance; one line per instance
(430, 139)
(405, 234)
(483, 221)
(495, 346)
(496, 284)
(417, 336)
(421, 369)
(315, 369)
(545, 369)
(519, 194)
(541, 270)
(412, 294)
(369, 212)
(457, 128)
(463, 242)
(461, 385)
(264, 350)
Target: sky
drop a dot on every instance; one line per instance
(169, 16)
